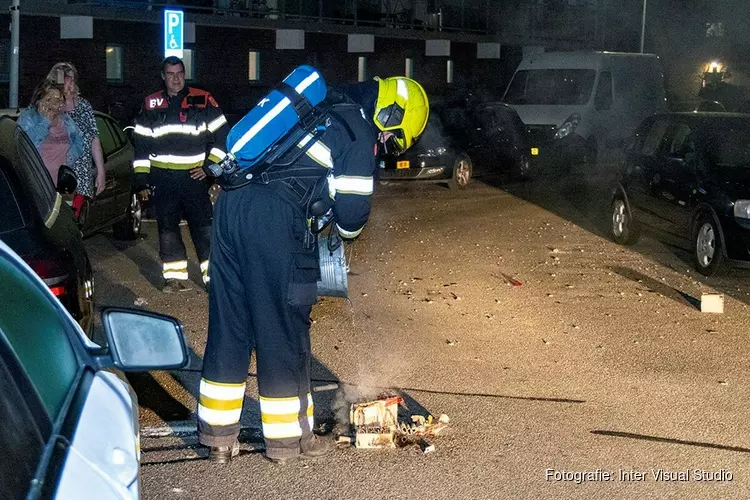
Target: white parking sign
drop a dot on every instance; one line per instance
(173, 36)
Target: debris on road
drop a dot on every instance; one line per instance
(712, 303)
(140, 301)
(376, 425)
(451, 342)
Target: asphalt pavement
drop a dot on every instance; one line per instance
(570, 367)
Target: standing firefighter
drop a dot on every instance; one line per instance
(264, 261)
(179, 128)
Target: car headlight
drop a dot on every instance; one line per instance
(742, 209)
(568, 126)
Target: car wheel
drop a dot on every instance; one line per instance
(708, 247)
(130, 227)
(461, 173)
(624, 229)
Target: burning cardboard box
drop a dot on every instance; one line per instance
(375, 422)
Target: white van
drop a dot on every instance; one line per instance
(579, 107)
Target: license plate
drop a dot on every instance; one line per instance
(402, 164)
(534, 151)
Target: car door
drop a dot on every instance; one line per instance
(605, 116)
(111, 204)
(83, 420)
(644, 170)
(675, 191)
(479, 149)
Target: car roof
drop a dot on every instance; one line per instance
(16, 112)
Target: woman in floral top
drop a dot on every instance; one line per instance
(90, 181)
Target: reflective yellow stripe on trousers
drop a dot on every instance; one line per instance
(220, 403)
(175, 270)
(280, 417)
(204, 271)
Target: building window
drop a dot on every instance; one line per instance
(449, 69)
(187, 60)
(253, 72)
(409, 68)
(114, 62)
(362, 69)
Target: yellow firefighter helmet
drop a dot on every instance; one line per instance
(402, 108)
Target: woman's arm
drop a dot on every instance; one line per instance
(96, 146)
(96, 152)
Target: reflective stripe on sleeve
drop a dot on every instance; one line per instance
(216, 124)
(318, 152)
(216, 155)
(349, 234)
(220, 403)
(349, 184)
(141, 166)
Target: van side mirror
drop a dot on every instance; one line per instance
(144, 341)
(66, 180)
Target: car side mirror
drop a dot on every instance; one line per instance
(144, 341)
(66, 180)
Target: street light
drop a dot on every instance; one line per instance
(643, 26)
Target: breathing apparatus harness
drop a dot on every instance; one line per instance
(277, 164)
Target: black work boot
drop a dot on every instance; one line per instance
(316, 446)
(224, 454)
(173, 286)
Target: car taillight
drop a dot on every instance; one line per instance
(52, 272)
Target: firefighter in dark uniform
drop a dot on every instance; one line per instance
(264, 268)
(178, 130)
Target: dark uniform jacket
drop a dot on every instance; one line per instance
(179, 132)
(346, 151)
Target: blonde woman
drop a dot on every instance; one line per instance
(90, 180)
(53, 132)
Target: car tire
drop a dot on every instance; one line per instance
(708, 246)
(462, 170)
(130, 227)
(623, 227)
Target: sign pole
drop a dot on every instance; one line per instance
(15, 36)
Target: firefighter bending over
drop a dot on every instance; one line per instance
(178, 129)
(264, 265)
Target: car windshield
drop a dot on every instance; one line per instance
(730, 146)
(564, 87)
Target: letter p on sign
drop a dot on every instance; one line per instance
(173, 33)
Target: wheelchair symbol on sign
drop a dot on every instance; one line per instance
(173, 43)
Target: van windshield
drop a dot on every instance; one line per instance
(563, 87)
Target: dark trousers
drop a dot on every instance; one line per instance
(263, 286)
(176, 194)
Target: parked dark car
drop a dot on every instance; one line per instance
(117, 206)
(39, 226)
(460, 143)
(688, 174)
